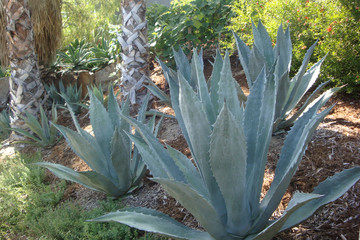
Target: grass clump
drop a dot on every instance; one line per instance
(31, 208)
(23, 193)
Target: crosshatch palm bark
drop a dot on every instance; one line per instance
(26, 90)
(135, 50)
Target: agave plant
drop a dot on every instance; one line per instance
(229, 145)
(277, 61)
(72, 97)
(41, 134)
(77, 55)
(117, 169)
(54, 93)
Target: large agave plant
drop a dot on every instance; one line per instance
(116, 168)
(229, 145)
(277, 61)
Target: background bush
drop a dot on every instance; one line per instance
(336, 24)
(188, 23)
(89, 19)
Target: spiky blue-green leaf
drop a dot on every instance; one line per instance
(298, 201)
(120, 159)
(228, 163)
(199, 130)
(190, 172)
(153, 221)
(91, 179)
(95, 159)
(258, 124)
(202, 209)
(331, 189)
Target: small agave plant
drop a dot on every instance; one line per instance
(39, 133)
(117, 168)
(229, 145)
(277, 61)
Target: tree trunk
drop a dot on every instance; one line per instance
(26, 90)
(135, 50)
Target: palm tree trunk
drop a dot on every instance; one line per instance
(135, 50)
(26, 90)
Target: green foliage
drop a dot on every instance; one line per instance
(84, 19)
(32, 209)
(117, 169)
(68, 221)
(277, 64)
(191, 23)
(335, 24)
(4, 72)
(229, 145)
(41, 134)
(4, 125)
(24, 194)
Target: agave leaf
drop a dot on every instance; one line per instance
(228, 158)
(103, 129)
(199, 130)
(196, 59)
(290, 157)
(183, 65)
(153, 153)
(304, 84)
(203, 90)
(85, 150)
(296, 81)
(120, 157)
(256, 64)
(263, 42)
(228, 91)
(283, 51)
(310, 100)
(82, 132)
(174, 95)
(214, 81)
(91, 179)
(187, 167)
(153, 221)
(114, 109)
(26, 134)
(202, 210)
(298, 201)
(159, 94)
(44, 124)
(157, 127)
(259, 116)
(283, 84)
(331, 189)
(142, 110)
(244, 56)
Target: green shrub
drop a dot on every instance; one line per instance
(190, 23)
(31, 208)
(83, 19)
(23, 192)
(334, 23)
